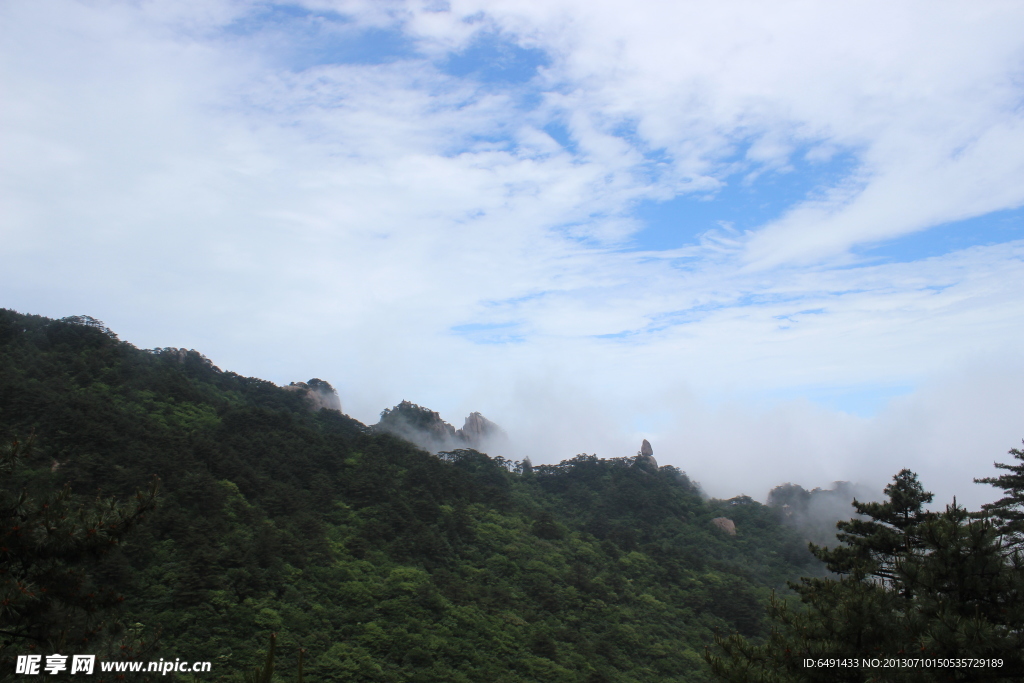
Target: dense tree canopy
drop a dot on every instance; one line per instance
(382, 561)
(59, 574)
(909, 587)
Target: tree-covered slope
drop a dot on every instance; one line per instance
(382, 561)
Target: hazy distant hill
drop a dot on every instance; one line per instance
(387, 563)
(814, 513)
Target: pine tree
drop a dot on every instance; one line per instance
(1009, 510)
(871, 547)
(969, 594)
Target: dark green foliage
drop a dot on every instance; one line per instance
(59, 570)
(380, 561)
(908, 583)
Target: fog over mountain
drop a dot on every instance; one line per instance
(426, 429)
(949, 431)
(815, 513)
(784, 242)
(319, 393)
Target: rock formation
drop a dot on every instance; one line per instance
(724, 524)
(645, 458)
(478, 430)
(426, 429)
(422, 426)
(319, 394)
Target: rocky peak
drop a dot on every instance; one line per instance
(426, 429)
(477, 429)
(415, 423)
(319, 394)
(645, 457)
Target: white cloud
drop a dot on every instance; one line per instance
(181, 182)
(928, 95)
(949, 432)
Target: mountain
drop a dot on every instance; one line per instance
(814, 513)
(426, 429)
(382, 560)
(319, 394)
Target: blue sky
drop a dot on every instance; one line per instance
(748, 198)
(997, 227)
(792, 231)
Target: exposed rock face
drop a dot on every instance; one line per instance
(645, 458)
(478, 430)
(426, 429)
(724, 524)
(319, 394)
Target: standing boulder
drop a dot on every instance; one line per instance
(724, 524)
(645, 458)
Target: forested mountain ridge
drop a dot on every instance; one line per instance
(384, 562)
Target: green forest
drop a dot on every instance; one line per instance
(154, 506)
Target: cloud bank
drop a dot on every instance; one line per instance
(443, 202)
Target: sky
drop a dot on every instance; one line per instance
(782, 241)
